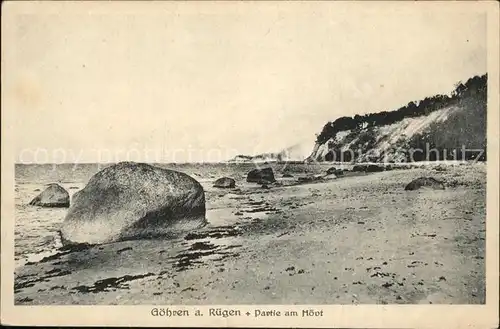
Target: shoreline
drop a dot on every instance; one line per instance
(351, 240)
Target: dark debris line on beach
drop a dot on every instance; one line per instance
(110, 283)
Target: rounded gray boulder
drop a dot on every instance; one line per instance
(133, 201)
(259, 175)
(225, 182)
(54, 196)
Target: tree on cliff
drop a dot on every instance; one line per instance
(474, 85)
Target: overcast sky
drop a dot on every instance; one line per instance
(235, 78)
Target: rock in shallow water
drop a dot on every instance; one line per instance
(133, 201)
(225, 182)
(53, 196)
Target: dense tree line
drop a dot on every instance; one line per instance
(475, 85)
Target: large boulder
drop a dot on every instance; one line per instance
(225, 182)
(133, 201)
(261, 175)
(425, 182)
(53, 196)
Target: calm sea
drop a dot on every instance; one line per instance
(36, 228)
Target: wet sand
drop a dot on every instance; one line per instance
(355, 239)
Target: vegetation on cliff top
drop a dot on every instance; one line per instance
(476, 85)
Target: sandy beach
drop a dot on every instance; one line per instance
(355, 239)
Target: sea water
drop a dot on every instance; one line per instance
(37, 228)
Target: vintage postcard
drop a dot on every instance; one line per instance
(255, 164)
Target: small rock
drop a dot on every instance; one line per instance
(331, 170)
(257, 175)
(425, 182)
(225, 182)
(53, 196)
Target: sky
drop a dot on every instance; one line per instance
(207, 81)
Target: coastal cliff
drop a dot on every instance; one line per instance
(442, 127)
